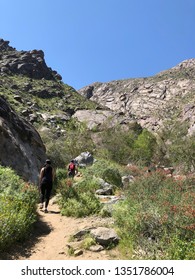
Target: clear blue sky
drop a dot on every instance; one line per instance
(102, 40)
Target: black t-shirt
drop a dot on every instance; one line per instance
(47, 174)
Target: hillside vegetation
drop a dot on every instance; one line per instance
(154, 215)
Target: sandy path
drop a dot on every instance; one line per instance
(54, 235)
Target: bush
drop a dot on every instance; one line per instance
(182, 152)
(158, 215)
(144, 147)
(60, 175)
(116, 144)
(16, 220)
(112, 176)
(180, 146)
(83, 205)
(9, 181)
(135, 145)
(78, 201)
(18, 202)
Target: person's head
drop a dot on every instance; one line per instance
(72, 161)
(48, 161)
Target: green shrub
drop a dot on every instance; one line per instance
(9, 181)
(116, 144)
(16, 220)
(87, 184)
(60, 176)
(180, 146)
(18, 202)
(133, 145)
(88, 242)
(144, 147)
(112, 176)
(99, 167)
(182, 152)
(83, 204)
(179, 249)
(78, 201)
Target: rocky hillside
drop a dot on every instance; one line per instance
(32, 95)
(36, 91)
(36, 97)
(154, 102)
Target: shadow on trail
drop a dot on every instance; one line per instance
(24, 249)
(54, 212)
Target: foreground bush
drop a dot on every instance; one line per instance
(77, 201)
(156, 221)
(17, 208)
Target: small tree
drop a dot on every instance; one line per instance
(144, 147)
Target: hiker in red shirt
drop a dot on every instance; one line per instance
(72, 169)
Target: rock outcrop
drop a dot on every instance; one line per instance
(28, 63)
(20, 144)
(105, 236)
(151, 101)
(84, 159)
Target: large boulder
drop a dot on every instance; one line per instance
(21, 147)
(105, 236)
(85, 158)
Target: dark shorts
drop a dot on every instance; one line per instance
(71, 173)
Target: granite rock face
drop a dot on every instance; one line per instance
(20, 144)
(169, 95)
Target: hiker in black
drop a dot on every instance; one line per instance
(72, 169)
(46, 182)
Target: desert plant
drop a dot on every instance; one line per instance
(77, 201)
(18, 202)
(158, 215)
(112, 176)
(180, 146)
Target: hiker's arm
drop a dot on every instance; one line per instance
(40, 177)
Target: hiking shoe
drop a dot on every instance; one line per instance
(46, 211)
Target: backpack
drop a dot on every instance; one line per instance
(71, 166)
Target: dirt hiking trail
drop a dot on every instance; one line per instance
(52, 237)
